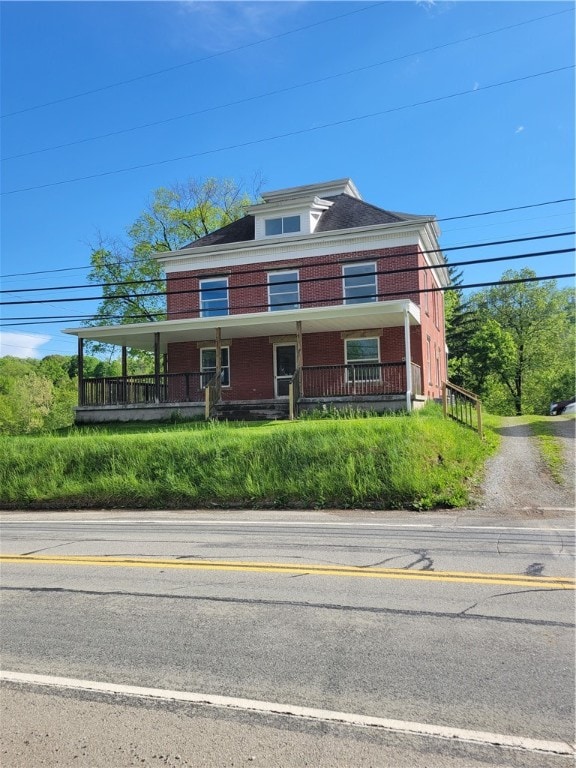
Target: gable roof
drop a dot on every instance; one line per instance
(345, 213)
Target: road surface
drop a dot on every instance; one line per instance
(433, 638)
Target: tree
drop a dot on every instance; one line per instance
(520, 356)
(174, 217)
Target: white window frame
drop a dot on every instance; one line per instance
(366, 362)
(282, 219)
(204, 285)
(206, 369)
(366, 300)
(429, 359)
(426, 294)
(271, 308)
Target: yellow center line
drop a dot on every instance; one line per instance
(459, 577)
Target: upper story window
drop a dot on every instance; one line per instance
(283, 291)
(214, 297)
(359, 283)
(283, 225)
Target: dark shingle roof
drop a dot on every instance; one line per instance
(345, 213)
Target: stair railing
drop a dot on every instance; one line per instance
(294, 395)
(462, 405)
(212, 393)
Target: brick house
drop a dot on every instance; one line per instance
(314, 297)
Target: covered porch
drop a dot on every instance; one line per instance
(301, 378)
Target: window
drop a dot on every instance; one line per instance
(283, 291)
(437, 353)
(359, 283)
(428, 360)
(208, 364)
(426, 305)
(359, 354)
(282, 226)
(214, 297)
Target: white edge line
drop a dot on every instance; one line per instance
(325, 715)
(277, 523)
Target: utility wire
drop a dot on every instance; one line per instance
(281, 90)
(450, 218)
(71, 318)
(301, 301)
(173, 68)
(359, 259)
(288, 134)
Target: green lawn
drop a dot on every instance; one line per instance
(419, 461)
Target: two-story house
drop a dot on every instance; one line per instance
(314, 297)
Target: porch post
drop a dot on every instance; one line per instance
(80, 370)
(218, 354)
(124, 362)
(156, 367)
(299, 356)
(408, 354)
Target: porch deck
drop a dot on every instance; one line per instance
(159, 396)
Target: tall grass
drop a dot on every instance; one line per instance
(418, 461)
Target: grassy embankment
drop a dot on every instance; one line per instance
(418, 461)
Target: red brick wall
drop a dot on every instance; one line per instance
(251, 360)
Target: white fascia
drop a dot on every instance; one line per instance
(433, 255)
(323, 189)
(287, 247)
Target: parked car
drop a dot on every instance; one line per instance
(563, 406)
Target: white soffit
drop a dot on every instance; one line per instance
(388, 314)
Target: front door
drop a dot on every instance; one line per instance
(284, 368)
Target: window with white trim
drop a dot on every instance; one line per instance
(426, 304)
(208, 365)
(283, 291)
(214, 297)
(428, 360)
(359, 283)
(283, 225)
(362, 359)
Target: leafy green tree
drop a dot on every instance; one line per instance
(26, 396)
(175, 216)
(521, 355)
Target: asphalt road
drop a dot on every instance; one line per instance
(455, 624)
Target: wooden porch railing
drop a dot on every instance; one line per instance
(143, 390)
(462, 405)
(358, 379)
(212, 395)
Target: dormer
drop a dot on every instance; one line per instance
(297, 210)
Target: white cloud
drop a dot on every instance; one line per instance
(218, 26)
(476, 86)
(21, 344)
(519, 129)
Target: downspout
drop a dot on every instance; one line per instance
(408, 358)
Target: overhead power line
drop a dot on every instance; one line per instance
(49, 319)
(172, 280)
(287, 89)
(288, 134)
(495, 211)
(298, 281)
(199, 60)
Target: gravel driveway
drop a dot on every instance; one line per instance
(517, 480)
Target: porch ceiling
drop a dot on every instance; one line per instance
(384, 314)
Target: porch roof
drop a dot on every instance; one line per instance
(351, 317)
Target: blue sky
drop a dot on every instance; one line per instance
(490, 148)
